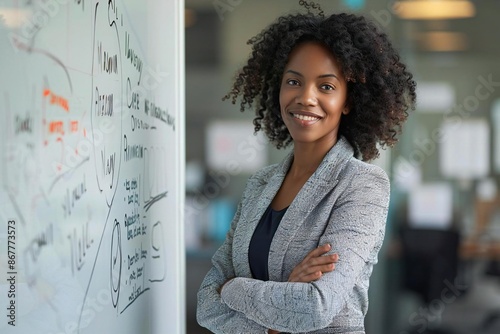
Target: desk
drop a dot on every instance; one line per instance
(474, 248)
(471, 248)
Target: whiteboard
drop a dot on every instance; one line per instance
(91, 166)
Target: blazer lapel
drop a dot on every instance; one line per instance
(314, 190)
(252, 211)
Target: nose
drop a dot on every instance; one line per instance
(307, 96)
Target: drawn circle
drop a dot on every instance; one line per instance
(106, 103)
(116, 263)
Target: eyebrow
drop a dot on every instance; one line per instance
(329, 75)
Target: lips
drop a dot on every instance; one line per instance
(306, 117)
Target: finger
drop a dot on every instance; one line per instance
(323, 249)
(325, 259)
(306, 278)
(298, 274)
(334, 258)
(311, 277)
(310, 265)
(318, 251)
(325, 268)
(311, 273)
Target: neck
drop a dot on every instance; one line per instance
(307, 158)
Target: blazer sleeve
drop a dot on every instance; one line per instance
(355, 230)
(211, 312)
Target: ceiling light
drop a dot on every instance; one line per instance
(434, 9)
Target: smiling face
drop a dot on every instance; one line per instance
(313, 95)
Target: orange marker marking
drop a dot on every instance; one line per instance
(74, 126)
(56, 99)
(56, 127)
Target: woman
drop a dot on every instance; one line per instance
(306, 234)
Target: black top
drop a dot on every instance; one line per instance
(258, 252)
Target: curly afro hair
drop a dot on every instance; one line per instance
(380, 89)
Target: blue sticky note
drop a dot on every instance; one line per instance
(354, 4)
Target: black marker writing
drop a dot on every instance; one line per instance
(134, 151)
(150, 108)
(23, 124)
(131, 55)
(72, 197)
(107, 62)
(103, 104)
(132, 97)
(108, 165)
(80, 242)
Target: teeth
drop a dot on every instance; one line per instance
(305, 118)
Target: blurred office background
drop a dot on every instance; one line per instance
(438, 269)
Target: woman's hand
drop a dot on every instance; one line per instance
(314, 265)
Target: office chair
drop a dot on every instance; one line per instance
(493, 317)
(430, 265)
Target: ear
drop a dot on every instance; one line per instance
(347, 106)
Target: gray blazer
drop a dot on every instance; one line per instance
(343, 203)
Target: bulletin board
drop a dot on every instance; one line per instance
(91, 166)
